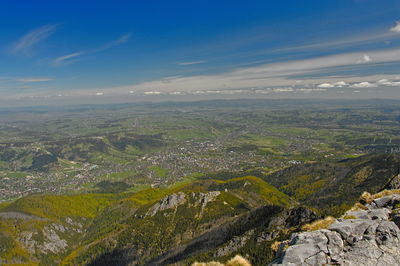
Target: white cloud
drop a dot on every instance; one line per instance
(29, 40)
(365, 59)
(62, 60)
(190, 63)
(310, 89)
(340, 84)
(364, 84)
(99, 93)
(387, 82)
(67, 59)
(152, 92)
(396, 28)
(273, 75)
(288, 89)
(121, 40)
(326, 85)
(34, 79)
(383, 82)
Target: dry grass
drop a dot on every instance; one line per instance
(358, 206)
(385, 193)
(236, 261)
(275, 246)
(368, 198)
(211, 263)
(349, 217)
(320, 224)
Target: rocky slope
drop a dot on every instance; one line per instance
(368, 234)
(334, 187)
(203, 219)
(209, 219)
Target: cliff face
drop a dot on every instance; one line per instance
(368, 234)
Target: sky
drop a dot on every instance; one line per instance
(77, 51)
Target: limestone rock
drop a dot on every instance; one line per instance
(370, 238)
(169, 202)
(53, 243)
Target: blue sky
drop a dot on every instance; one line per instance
(116, 48)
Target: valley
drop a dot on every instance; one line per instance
(175, 183)
(155, 145)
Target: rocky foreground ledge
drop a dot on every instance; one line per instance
(368, 234)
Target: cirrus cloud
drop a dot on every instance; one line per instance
(74, 57)
(26, 43)
(34, 79)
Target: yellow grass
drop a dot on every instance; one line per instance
(319, 224)
(235, 261)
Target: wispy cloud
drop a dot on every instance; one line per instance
(276, 74)
(396, 28)
(66, 59)
(26, 43)
(365, 59)
(121, 40)
(38, 79)
(73, 57)
(382, 35)
(190, 63)
(24, 79)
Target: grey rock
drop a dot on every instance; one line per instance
(370, 239)
(371, 206)
(204, 199)
(375, 214)
(53, 243)
(306, 248)
(394, 183)
(383, 202)
(396, 219)
(234, 244)
(59, 227)
(25, 238)
(169, 202)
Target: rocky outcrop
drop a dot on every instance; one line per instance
(234, 244)
(53, 243)
(203, 199)
(394, 183)
(169, 202)
(366, 235)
